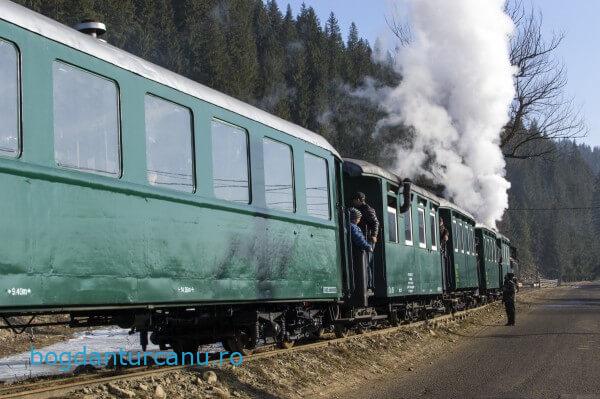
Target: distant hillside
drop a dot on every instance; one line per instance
(591, 155)
(561, 242)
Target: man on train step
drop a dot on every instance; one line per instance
(369, 225)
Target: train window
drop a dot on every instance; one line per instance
(471, 241)
(468, 239)
(408, 240)
(10, 99)
(169, 159)
(86, 121)
(458, 236)
(422, 242)
(433, 231)
(454, 236)
(279, 182)
(392, 224)
(230, 162)
(317, 186)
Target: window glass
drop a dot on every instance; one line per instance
(317, 187)
(230, 162)
(9, 100)
(433, 230)
(86, 121)
(422, 242)
(392, 224)
(408, 227)
(467, 238)
(459, 233)
(485, 248)
(279, 186)
(454, 236)
(169, 159)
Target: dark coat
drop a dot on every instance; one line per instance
(509, 289)
(358, 239)
(369, 223)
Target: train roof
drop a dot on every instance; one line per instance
(358, 167)
(492, 230)
(425, 193)
(44, 26)
(444, 203)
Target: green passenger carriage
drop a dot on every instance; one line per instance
(407, 259)
(460, 260)
(127, 186)
(489, 267)
(504, 255)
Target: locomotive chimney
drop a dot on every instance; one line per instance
(406, 183)
(92, 28)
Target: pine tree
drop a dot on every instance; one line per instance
(241, 46)
(311, 35)
(205, 45)
(334, 48)
(271, 91)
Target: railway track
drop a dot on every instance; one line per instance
(52, 388)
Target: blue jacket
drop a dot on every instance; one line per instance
(358, 238)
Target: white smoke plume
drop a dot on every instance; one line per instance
(456, 90)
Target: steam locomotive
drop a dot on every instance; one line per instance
(133, 196)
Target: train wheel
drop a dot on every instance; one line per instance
(394, 320)
(340, 331)
(225, 344)
(181, 346)
(318, 333)
(241, 342)
(286, 343)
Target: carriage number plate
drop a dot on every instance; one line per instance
(18, 291)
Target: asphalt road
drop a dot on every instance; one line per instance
(552, 352)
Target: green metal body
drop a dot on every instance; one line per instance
(462, 273)
(489, 267)
(72, 239)
(504, 246)
(401, 270)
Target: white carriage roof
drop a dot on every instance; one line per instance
(444, 203)
(493, 230)
(426, 193)
(358, 166)
(37, 23)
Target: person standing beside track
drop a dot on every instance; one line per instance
(509, 290)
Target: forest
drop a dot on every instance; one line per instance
(301, 69)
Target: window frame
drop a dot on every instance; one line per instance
(410, 227)
(468, 234)
(327, 177)
(391, 209)
(421, 212)
(462, 237)
(293, 175)
(118, 175)
(19, 150)
(248, 161)
(454, 235)
(434, 233)
(192, 142)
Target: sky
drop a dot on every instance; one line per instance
(577, 19)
